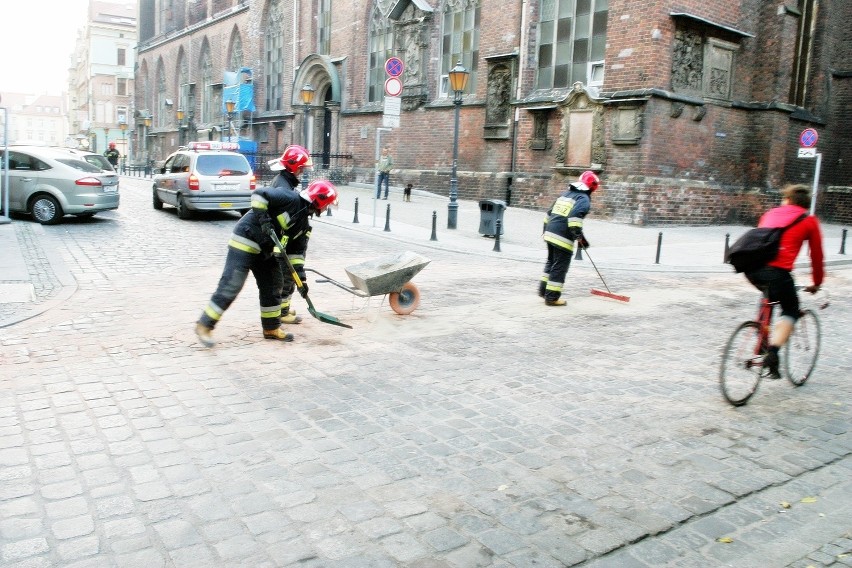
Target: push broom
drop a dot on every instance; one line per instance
(608, 293)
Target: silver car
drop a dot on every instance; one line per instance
(49, 183)
(205, 176)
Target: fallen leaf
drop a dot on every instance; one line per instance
(785, 504)
(725, 539)
(809, 499)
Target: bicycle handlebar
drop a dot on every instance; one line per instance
(821, 297)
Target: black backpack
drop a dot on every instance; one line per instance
(757, 247)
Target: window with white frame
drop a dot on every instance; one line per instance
(381, 47)
(571, 42)
(460, 39)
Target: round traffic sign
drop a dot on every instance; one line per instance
(393, 66)
(808, 138)
(393, 87)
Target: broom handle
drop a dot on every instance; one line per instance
(596, 268)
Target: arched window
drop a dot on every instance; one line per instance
(161, 115)
(572, 42)
(235, 61)
(273, 49)
(324, 27)
(208, 105)
(380, 47)
(460, 40)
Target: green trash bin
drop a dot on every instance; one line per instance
(491, 211)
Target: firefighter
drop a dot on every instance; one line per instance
(251, 249)
(289, 166)
(562, 226)
(112, 155)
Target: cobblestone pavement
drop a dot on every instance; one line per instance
(484, 429)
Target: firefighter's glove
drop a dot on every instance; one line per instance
(303, 289)
(265, 226)
(582, 241)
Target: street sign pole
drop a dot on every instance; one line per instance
(816, 182)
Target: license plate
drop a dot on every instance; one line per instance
(226, 186)
(110, 188)
(226, 205)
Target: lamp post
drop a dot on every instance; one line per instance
(179, 114)
(106, 136)
(123, 126)
(229, 108)
(307, 94)
(458, 81)
(147, 123)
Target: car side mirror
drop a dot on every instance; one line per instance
(162, 170)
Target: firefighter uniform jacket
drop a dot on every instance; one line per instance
(289, 215)
(564, 221)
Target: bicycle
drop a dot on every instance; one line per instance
(742, 365)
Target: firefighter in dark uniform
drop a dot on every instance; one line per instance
(289, 166)
(251, 249)
(562, 226)
(112, 155)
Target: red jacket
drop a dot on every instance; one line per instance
(792, 239)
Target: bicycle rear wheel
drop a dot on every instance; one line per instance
(802, 349)
(741, 369)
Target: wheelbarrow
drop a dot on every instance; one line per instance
(390, 275)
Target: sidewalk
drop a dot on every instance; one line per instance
(33, 277)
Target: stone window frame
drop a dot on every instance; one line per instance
(556, 45)
(381, 39)
(471, 13)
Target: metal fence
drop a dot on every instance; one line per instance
(336, 168)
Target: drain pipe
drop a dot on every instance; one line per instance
(522, 51)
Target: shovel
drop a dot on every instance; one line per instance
(606, 294)
(325, 318)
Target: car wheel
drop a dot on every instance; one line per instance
(158, 203)
(46, 210)
(182, 211)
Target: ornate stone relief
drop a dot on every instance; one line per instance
(581, 137)
(411, 31)
(688, 61)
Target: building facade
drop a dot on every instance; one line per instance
(690, 111)
(100, 90)
(35, 119)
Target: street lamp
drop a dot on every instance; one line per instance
(229, 107)
(179, 114)
(307, 94)
(123, 126)
(458, 81)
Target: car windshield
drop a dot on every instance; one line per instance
(99, 161)
(222, 165)
(80, 165)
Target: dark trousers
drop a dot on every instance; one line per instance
(777, 284)
(555, 269)
(384, 177)
(267, 275)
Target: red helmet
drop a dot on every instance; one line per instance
(293, 158)
(590, 180)
(321, 193)
(112, 144)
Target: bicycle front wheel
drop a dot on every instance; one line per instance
(802, 349)
(741, 368)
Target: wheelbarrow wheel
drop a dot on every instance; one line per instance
(406, 300)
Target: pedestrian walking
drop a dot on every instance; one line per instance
(383, 166)
(112, 155)
(562, 227)
(251, 249)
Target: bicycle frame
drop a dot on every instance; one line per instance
(764, 319)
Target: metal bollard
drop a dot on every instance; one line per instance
(727, 246)
(434, 236)
(328, 211)
(387, 219)
(355, 220)
(659, 246)
(843, 242)
(497, 227)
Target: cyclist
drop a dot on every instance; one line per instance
(775, 279)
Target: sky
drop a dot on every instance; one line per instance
(36, 41)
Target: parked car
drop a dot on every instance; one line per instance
(205, 176)
(98, 160)
(49, 183)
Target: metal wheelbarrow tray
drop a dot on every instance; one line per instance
(389, 274)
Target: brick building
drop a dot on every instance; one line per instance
(689, 110)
